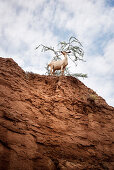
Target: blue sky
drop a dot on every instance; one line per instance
(25, 24)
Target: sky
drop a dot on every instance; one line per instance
(24, 24)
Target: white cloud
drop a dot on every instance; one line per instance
(25, 24)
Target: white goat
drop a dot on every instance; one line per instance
(60, 64)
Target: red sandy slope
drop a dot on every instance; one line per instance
(49, 123)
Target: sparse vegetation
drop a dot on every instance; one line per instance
(29, 75)
(92, 97)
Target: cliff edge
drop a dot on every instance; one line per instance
(52, 123)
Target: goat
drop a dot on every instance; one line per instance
(60, 64)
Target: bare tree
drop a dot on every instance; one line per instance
(76, 53)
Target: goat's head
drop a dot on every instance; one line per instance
(65, 52)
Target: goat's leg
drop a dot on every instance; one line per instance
(62, 70)
(51, 70)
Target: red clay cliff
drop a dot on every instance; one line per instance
(52, 123)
